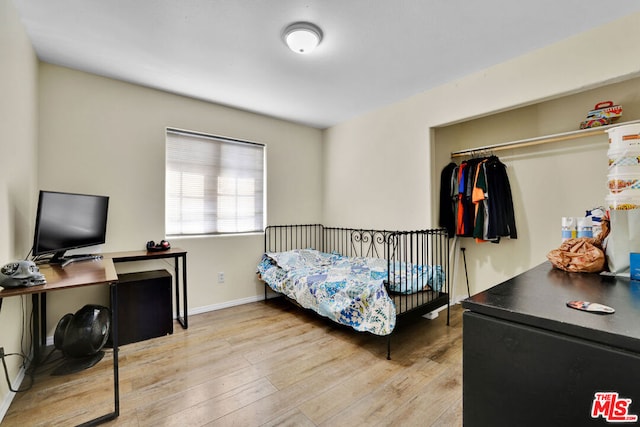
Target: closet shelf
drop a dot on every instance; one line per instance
(557, 137)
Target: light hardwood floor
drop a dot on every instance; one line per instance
(267, 364)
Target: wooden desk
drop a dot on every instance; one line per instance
(528, 359)
(86, 273)
(177, 254)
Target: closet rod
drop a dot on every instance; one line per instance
(564, 136)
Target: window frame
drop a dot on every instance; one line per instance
(258, 217)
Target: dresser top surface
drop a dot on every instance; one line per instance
(538, 298)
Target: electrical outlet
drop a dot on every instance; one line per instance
(221, 277)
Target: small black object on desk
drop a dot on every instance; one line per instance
(164, 245)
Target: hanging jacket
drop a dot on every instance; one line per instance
(500, 202)
(448, 198)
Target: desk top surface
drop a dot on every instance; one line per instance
(77, 274)
(85, 273)
(538, 298)
(144, 254)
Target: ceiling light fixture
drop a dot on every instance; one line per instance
(302, 37)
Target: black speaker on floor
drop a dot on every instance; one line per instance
(144, 306)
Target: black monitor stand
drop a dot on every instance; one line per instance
(59, 258)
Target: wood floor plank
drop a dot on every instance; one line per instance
(293, 418)
(452, 416)
(207, 408)
(264, 364)
(367, 378)
(381, 401)
(291, 396)
(432, 401)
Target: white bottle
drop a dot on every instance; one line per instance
(568, 228)
(585, 227)
(596, 215)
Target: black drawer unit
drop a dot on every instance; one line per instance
(144, 306)
(529, 360)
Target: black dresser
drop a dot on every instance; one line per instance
(529, 360)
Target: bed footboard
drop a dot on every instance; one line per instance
(418, 265)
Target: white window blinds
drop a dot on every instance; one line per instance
(214, 185)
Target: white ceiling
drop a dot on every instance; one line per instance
(230, 52)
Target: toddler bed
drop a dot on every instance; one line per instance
(364, 279)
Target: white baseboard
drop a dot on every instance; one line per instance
(225, 304)
(458, 299)
(15, 384)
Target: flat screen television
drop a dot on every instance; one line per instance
(66, 221)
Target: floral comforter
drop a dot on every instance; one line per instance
(347, 290)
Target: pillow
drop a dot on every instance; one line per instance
(302, 258)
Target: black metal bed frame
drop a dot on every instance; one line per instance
(400, 248)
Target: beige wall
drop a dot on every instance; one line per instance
(382, 169)
(18, 171)
(103, 136)
(548, 181)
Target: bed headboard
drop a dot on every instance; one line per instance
(420, 246)
(356, 242)
(345, 241)
(280, 238)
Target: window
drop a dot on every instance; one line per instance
(214, 185)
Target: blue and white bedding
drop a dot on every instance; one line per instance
(348, 290)
(412, 278)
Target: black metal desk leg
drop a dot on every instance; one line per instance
(113, 288)
(114, 339)
(182, 320)
(184, 290)
(177, 281)
(36, 327)
(43, 319)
